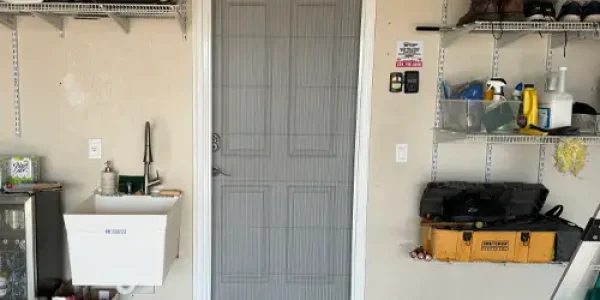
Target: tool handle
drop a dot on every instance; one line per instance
(428, 28)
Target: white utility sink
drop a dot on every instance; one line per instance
(123, 240)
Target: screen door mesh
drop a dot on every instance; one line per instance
(285, 93)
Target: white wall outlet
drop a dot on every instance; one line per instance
(401, 153)
(95, 149)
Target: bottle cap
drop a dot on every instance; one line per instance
(519, 87)
(518, 91)
(108, 169)
(498, 79)
(529, 85)
(496, 84)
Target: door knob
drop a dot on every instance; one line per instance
(216, 172)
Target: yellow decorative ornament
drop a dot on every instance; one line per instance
(570, 156)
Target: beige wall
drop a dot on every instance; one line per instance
(98, 82)
(395, 188)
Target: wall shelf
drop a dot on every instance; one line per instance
(94, 9)
(535, 27)
(450, 137)
(53, 13)
(437, 263)
(509, 32)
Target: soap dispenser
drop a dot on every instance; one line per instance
(108, 180)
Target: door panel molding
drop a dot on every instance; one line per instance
(203, 89)
(300, 249)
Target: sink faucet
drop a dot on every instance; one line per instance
(148, 161)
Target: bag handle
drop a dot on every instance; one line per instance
(555, 211)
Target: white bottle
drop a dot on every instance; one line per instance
(556, 106)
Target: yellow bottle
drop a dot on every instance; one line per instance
(530, 105)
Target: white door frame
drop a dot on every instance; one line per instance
(202, 197)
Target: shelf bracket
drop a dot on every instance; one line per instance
(124, 23)
(509, 38)
(9, 21)
(559, 39)
(488, 162)
(541, 164)
(56, 21)
(451, 36)
(182, 20)
(182, 17)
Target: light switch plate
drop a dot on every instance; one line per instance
(401, 153)
(95, 149)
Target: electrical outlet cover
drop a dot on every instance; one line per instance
(95, 149)
(401, 153)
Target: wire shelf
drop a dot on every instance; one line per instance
(510, 32)
(544, 27)
(442, 137)
(96, 9)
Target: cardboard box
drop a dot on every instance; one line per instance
(123, 240)
(488, 246)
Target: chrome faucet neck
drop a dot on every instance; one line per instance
(148, 182)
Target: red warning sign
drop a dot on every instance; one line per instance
(409, 54)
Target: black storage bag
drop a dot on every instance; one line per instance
(518, 199)
(568, 234)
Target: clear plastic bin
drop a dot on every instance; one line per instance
(479, 116)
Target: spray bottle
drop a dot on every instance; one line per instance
(497, 86)
(498, 116)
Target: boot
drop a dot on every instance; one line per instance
(493, 10)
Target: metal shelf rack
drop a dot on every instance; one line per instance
(450, 137)
(69, 8)
(505, 33)
(53, 13)
(509, 32)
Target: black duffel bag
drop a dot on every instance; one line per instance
(568, 234)
(455, 201)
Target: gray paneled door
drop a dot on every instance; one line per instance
(285, 84)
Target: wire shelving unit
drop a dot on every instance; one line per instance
(100, 9)
(504, 34)
(509, 32)
(450, 137)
